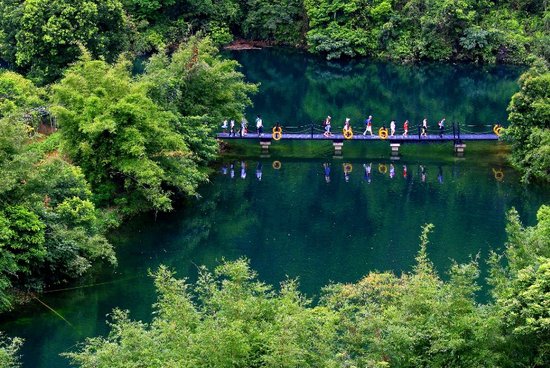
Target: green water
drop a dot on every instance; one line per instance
(296, 222)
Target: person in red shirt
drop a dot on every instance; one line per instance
(406, 128)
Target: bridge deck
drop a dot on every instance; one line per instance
(359, 137)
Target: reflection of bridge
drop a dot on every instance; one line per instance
(312, 133)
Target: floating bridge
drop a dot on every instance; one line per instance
(315, 133)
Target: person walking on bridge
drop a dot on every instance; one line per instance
(232, 127)
(406, 128)
(347, 125)
(259, 125)
(224, 125)
(244, 126)
(327, 132)
(441, 127)
(368, 126)
(424, 127)
(392, 128)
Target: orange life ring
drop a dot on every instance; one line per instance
(276, 165)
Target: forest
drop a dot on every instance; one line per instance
(86, 143)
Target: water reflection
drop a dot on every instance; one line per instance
(385, 170)
(294, 86)
(318, 220)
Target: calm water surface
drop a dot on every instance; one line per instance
(315, 218)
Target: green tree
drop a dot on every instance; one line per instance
(46, 35)
(281, 20)
(18, 93)
(8, 352)
(50, 231)
(236, 321)
(201, 89)
(230, 319)
(128, 147)
(521, 290)
(529, 131)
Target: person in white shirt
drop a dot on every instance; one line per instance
(224, 126)
(392, 128)
(259, 125)
(424, 127)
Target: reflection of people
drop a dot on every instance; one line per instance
(440, 175)
(259, 171)
(392, 128)
(392, 171)
(243, 170)
(368, 169)
(368, 126)
(422, 173)
(405, 171)
(224, 169)
(346, 173)
(406, 128)
(326, 167)
(232, 170)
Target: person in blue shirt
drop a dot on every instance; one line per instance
(368, 126)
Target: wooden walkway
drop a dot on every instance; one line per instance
(432, 138)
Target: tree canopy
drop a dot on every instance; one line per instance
(529, 131)
(50, 230)
(230, 319)
(42, 37)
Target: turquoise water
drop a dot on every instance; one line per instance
(299, 222)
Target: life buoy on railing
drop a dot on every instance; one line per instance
(498, 130)
(277, 129)
(382, 169)
(499, 175)
(348, 133)
(348, 167)
(276, 165)
(383, 133)
(277, 135)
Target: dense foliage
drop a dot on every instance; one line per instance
(529, 128)
(139, 142)
(125, 144)
(484, 31)
(49, 228)
(8, 352)
(230, 319)
(42, 37)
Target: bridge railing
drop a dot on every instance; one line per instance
(454, 128)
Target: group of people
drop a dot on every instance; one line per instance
(244, 127)
(368, 127)
(327, 126)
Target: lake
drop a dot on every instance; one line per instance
(302, 213)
